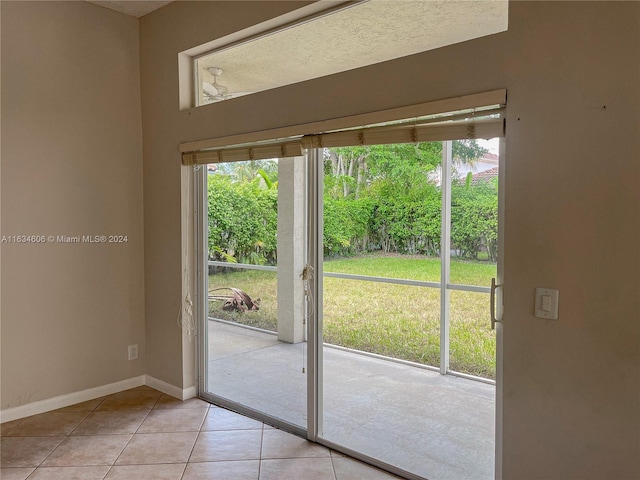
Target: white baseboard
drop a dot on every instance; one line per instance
(62, 401)
(172, 390)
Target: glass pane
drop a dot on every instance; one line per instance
(370, 403)
(412, 418)
(261, 287)
(398, 321)
(382, 210)
(382, 217)
(275, 59)
(408, 267)
(474, 212)
(243, 212)
(472, 342)
(252, 360)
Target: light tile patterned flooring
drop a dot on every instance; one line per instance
(144, 434)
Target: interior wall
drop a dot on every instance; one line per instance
(572, 396)
(163, 34)
(572, 216)
(71, 166)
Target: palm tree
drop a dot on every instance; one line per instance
(264, 170)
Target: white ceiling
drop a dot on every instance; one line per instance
(363, 34)
(134, 8)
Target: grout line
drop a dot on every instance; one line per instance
(186, 464)
(143, 420)
(101, 402)
(107, 472)
(333, 466)
(81, 422)
(124, 411)
(204, 419)
(195, 442)
(34, 471)
(49, 454)
(132, 435)
(66, 436)
(157, 400)
(12, 428)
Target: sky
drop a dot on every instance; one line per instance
(491, 145)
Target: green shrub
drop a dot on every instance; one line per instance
(385, 217)
(346, 225)
(474, 221)
(243, 221)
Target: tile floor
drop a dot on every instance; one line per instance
(144, 434)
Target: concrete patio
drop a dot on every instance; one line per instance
(435, 426)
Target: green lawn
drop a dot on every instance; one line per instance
(414, 267)
(394, 320)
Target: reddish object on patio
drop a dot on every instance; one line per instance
(238, 301)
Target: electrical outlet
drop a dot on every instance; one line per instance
(133, 352)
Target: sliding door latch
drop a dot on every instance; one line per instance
(492, 303)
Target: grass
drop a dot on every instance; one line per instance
(395, 320)
(257, 284)
(415, 267)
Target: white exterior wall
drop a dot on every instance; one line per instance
(291, 246)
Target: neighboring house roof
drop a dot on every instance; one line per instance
(484, 176)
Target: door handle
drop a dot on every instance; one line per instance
(492, 303)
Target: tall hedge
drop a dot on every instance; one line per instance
(474, 221)
(243, 221)
(347, 225)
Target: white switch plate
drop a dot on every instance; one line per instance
(547, 303)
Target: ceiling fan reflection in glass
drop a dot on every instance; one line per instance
(214, 91)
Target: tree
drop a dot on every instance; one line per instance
(399, 184)
(252, 170)
(350, 170)
(467, 151)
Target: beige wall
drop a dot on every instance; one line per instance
(571, 389)
(71, 165)
(163, 34)
(71, 149)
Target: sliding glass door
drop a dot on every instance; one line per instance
(255, 328)
(348, 289)
(409, 250)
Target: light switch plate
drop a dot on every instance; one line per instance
(547, 303)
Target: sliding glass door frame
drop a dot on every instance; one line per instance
(313, 277)
(201, 248)
(445, 254)
(315, 251)
(314, 312)
(500, 311)
(446, 287)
